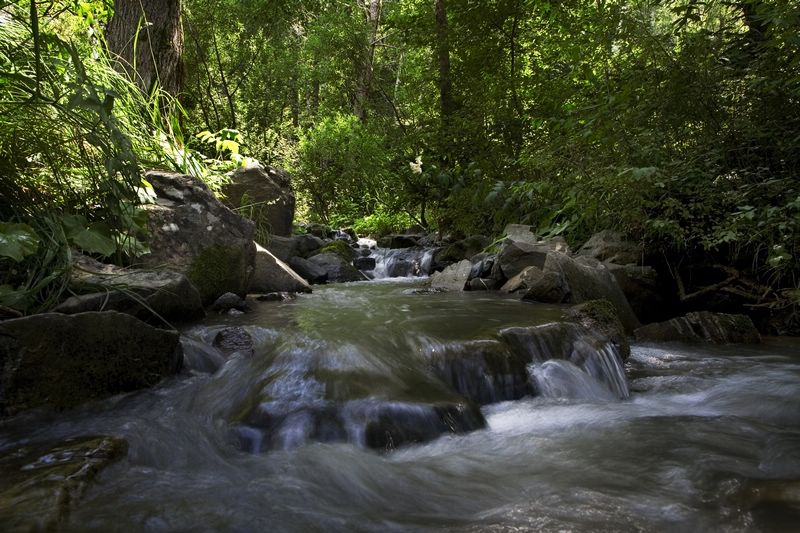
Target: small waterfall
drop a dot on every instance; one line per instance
(558, 378)
(401, 262)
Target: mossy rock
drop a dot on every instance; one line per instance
(217, 270)
(339, 248)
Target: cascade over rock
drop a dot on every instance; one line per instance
(60, 361)
(268, 192)
(193, 233)
(146, 294)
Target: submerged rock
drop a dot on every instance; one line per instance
(150, 295)
(193, 233)
(41, 483)
(702, 326)
(229, 301)
(60, 361)
(234, 339)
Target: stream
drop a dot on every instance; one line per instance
(698, 439)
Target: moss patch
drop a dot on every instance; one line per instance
(217, 270)
(339, 248)
(601, 316)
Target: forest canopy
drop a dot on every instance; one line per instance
(675, 121)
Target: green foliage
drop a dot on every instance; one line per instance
(341, 168)
(382, 222)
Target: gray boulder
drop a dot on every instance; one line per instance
(590, 281)
(282, 247)
(364, 263)
(311, 272)
(146, 294)
(702, 326)
(307, 244)
(516, 256)
(600, 317)
(546, 287)
(273, 275)
(267, 192)
(61, 360)
(229, 301)
(234, 339)
(452, 278)
(338, 268)
(521, 233)
(193, 233)
(612, 246)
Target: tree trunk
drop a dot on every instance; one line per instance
(147, 38)
(372, 11)
(443, 56)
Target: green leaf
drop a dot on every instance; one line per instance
(96, 238)
(17, 240)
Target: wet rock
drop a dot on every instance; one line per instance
(282, 247)
(549, 287)
(453, 278)
(483, 284)
(482, 371)
(458, 251)
(364, 263)
(321, 231)
(398, 241)
(613, 247)
(516, 256)
(229, 301)
(425, 290)
(193, 233)
(337, 268)
(268, 192)
(41, 483)
(273, 275)
(702, 326)
(276, 297)
(340, 248)
(60, 360)
(307, 244)
(521, 233)
(641, 287)
(600, 317)
(589, 282)
(146, 294)
(310, 271)
(524, 280)
(234, 339)
(200, 357)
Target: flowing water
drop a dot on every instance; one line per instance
(285, 438)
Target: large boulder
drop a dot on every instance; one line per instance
(307, 244)
(311, 272)
(600, 317)
(458, 251)
(452, 278)
(61, 360)
(337, 267)
(517, 255)
(267, 192)
(520, 233)
(193, 233)
(612, 246)
(147, 294)
(648, 297)
(273, 275)
(282, 247)
(581, 281)
(702, 326)
(41, 483)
